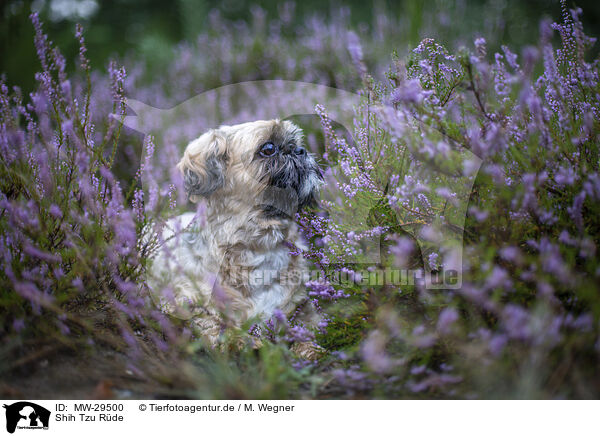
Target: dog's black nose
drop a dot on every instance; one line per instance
(300, 151)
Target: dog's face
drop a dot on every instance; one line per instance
(261, 163)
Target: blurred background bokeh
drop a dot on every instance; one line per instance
(150, 30)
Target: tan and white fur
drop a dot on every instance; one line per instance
(232, 262)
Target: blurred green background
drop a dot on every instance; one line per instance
(150, 29)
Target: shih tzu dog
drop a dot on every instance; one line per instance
(232, 263)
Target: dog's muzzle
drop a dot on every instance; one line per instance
(294, 183)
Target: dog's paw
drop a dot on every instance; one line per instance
(307, 350)
(240, 342)
(253, 342)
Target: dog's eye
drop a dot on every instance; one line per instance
(268, 149)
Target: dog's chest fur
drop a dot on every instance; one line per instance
(264, 281)
(226, 265)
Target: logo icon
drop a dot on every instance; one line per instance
(26, 415)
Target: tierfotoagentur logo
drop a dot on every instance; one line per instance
(25, 415)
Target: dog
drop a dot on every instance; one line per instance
(232, 263)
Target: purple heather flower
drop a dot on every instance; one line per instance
(402, 251)
(478, 214)
(498, 278)
(323, 289)
(55, 211)
(117, 77)
(410, 91)
(137, 203)
(84, 62)
(422, 339)
(32, 251)
(511, 254)
(432, 259)
(374, 354)
(497, 343)
(576, 210)
(356, 53)
(280, 317)
(18, 324)
(416, 370)
(77, 283)
(480, 47)
(516, 322)
(447, 318)
(299, 333)
(565, 175)
(511, 58)
(41, 41)
(500, 84)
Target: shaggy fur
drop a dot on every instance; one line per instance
(233, 264)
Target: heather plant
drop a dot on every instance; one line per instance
(70, 254)
(311, 48)
(457, 160)
(524, 323)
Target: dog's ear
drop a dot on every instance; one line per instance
(204, 165)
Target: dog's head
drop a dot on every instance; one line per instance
(261, 163)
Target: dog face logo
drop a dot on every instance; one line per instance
(26, 415)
